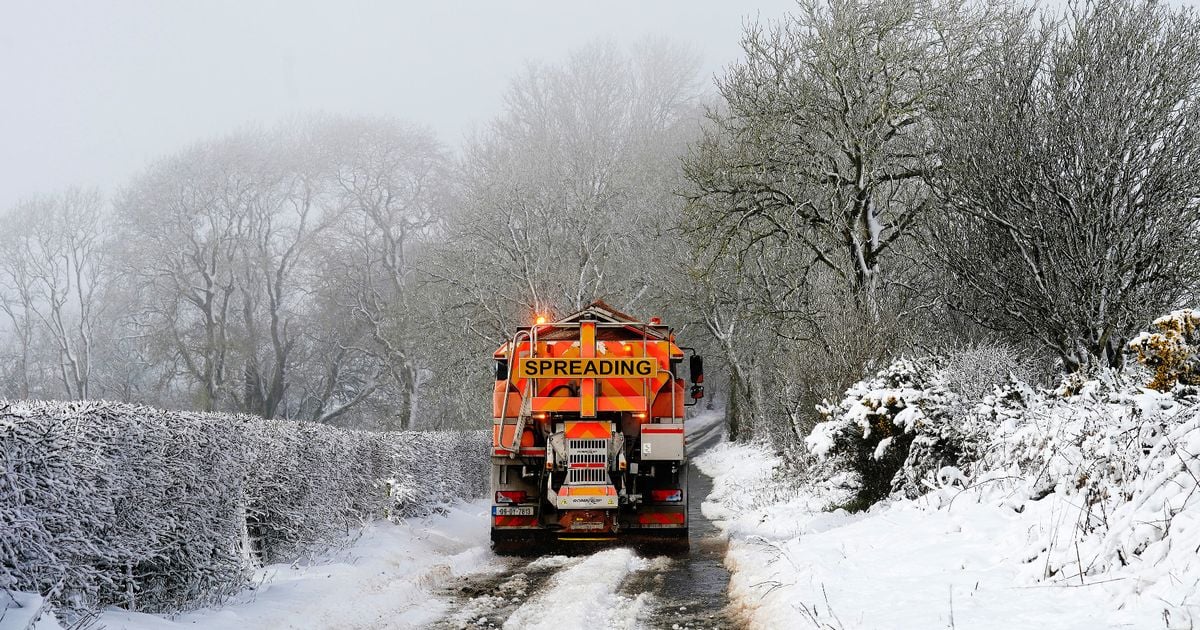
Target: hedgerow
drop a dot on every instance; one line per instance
(114, 504)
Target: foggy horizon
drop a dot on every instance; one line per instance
(106, 89)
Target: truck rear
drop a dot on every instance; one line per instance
(588, 430)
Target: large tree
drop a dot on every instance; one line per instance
(823, 138)
(561, 197)
(1072, 176)
(390, 185)
(806, 187)
(565, 197)
(271, 270)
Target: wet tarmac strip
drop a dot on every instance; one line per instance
(692, 592)
(486, 600)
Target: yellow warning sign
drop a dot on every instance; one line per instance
(587, 368)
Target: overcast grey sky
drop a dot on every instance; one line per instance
(90, 92)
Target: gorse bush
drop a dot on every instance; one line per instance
(1173, 352)
(114, 504)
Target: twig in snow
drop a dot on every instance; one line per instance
(774, 585)
(1079, 561)
(976, 485)
(1117, 579)
(952, 627)
(830, 608)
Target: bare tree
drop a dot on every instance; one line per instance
(389, 182)
(1072, 174)
(54, 268)
(185, 225)
(563, 196)
(281, 221)
(824, 136)
(811, 175)
(16, 300)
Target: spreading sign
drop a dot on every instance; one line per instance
(587, 368)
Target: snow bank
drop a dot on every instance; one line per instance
(1115, 474)
(111, 504)
(386, 577)
(1083, 511)
(26, 611)
(898, 566)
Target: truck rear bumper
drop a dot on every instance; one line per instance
(536, 542)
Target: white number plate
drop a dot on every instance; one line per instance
(586, 525)
(512, 511)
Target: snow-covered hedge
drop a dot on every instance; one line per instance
(114, 504)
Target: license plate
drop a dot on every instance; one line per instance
(587, 525)
(512, 511)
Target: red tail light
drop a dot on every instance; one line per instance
(510, 497)
(666, 496)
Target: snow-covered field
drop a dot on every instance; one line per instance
(387, 577)
(951, 559)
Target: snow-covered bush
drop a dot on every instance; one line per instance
(115, 504)
(895, 433)
(437, 467)
(307, 482)
(1173, 352)
(1114, 471)
(1103, 473)
(1093, 445)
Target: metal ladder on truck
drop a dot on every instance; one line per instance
(526, 410)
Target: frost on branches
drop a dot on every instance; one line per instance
(895, 434)
(112, 504)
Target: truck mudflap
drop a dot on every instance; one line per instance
(659, 520)
(650, 518)
(514, 522)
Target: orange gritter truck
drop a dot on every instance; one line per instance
(588, 431)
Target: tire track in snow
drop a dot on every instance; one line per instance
(486, 599)
(691, 591)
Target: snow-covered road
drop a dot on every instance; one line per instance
(611, 588)
(585, 594)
